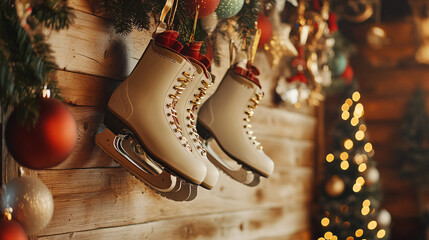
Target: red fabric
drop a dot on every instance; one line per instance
(315, 5)
(193, 50)
(332, 22)
(250, 73)
(298, 77)
(300, 60)
(169, 39)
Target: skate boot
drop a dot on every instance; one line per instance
(225, 119)
(143, 131)
(187, 108)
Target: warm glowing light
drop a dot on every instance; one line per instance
(371, 154)
(359, 135)
(362, 127)
(321, 238)
(356, 96)
(357, 187)
(325, 222)
(381, 233)
(349, 102)
(360, 181)
(359, 108)
(328, 235)
(334, 238)
(344, 156)
(330, 157)
(345, 115)
(359, 233)
(346, 224)
(345, 107)
(350, 238)
(348, 144)
(372, 225)
(358, 158)
(344, 208)
(354, 121)
(368, 147)
(366, 203)
(365, 211)
(344, 165)
(362, 167)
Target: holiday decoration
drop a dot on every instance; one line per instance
(377, 37)
(421, 18)
(31, 202)
(293, 91)
(351, 200)
(48, 142)
(334, 186)
(205, 7)
(11, 230)
(339, 64)
(266, 29)
(348, 74)
(229, 8)
(384, 218)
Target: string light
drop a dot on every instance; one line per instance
(344, 165)
(358, 158)
(344, 156)
(381, 233)
(362, 127)
(354, 121)
(348, 144)
(345, 115)
(360, 181)
(357, 187)
(349, 102)
(366, 203)
(372, 225)
(321, 238)
(368, 147)
(362, 167)
(359, 135)
(350, 238)
(359, 233)
(365, 211)
(330, 157)
(356, 96)
(344, 208)
(334, 238)
(325, 221)
(328, 235)
(345, 107)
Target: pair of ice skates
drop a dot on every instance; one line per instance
(151, 125)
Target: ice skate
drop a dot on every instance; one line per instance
(225, 119)
(143, 132)
(187, 108)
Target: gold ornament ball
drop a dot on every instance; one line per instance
(31, 201)
(335, 186)
(372, 175)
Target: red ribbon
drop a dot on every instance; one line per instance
(298, 77)
(250, 73)
(169, 39)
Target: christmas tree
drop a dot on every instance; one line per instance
(351, 193)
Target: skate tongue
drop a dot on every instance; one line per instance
(250, 72)
(192, 50)
(169, 39)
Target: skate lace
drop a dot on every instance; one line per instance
(192, 119)
(173, 113)
(255, 100)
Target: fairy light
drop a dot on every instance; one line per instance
(368, 147)
(354, 121)
(362, 127)
(358, 159)
(328, 235)
(360, 181)
(357, 187)
(344, 156)
(359, 233)
(344, 208)
(345, 107)
(362, 167)
(344, 165)
(381, 233)
(365, 211)
(372, 225)
(350, 238)
(346, 224)
(330, 157)
(325, 221)
(356, 96)
(348, 144)
(359, 135)
(366, 203)
(321, 238)
(334, 238)
(349, 102)
(345, 115)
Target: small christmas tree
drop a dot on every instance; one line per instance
(351, 193)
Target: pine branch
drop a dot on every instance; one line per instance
(54, 14)
(247, 19)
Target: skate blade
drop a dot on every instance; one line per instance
(238, 172)
(163, 182)
(183, 191)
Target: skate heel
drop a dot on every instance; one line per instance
(203, 132)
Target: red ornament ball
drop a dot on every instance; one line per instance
(11, 230)
(48, 142)
(266, 29)
(207, 7)
(348, 74)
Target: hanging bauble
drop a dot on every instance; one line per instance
(338, 64)
(31, 201)
(48, 142)
(372, 175)
(384, 218)
(266, 29)
(377, 37)
(229, 8)
(348, 74)
(293, 90)
(11, 230)
(206, 7)
(335, 186)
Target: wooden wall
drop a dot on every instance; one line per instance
(387, 78)
(97, 199)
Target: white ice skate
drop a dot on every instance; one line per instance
(225, 119)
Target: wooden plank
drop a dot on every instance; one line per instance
(249, 224)
(88, 199)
